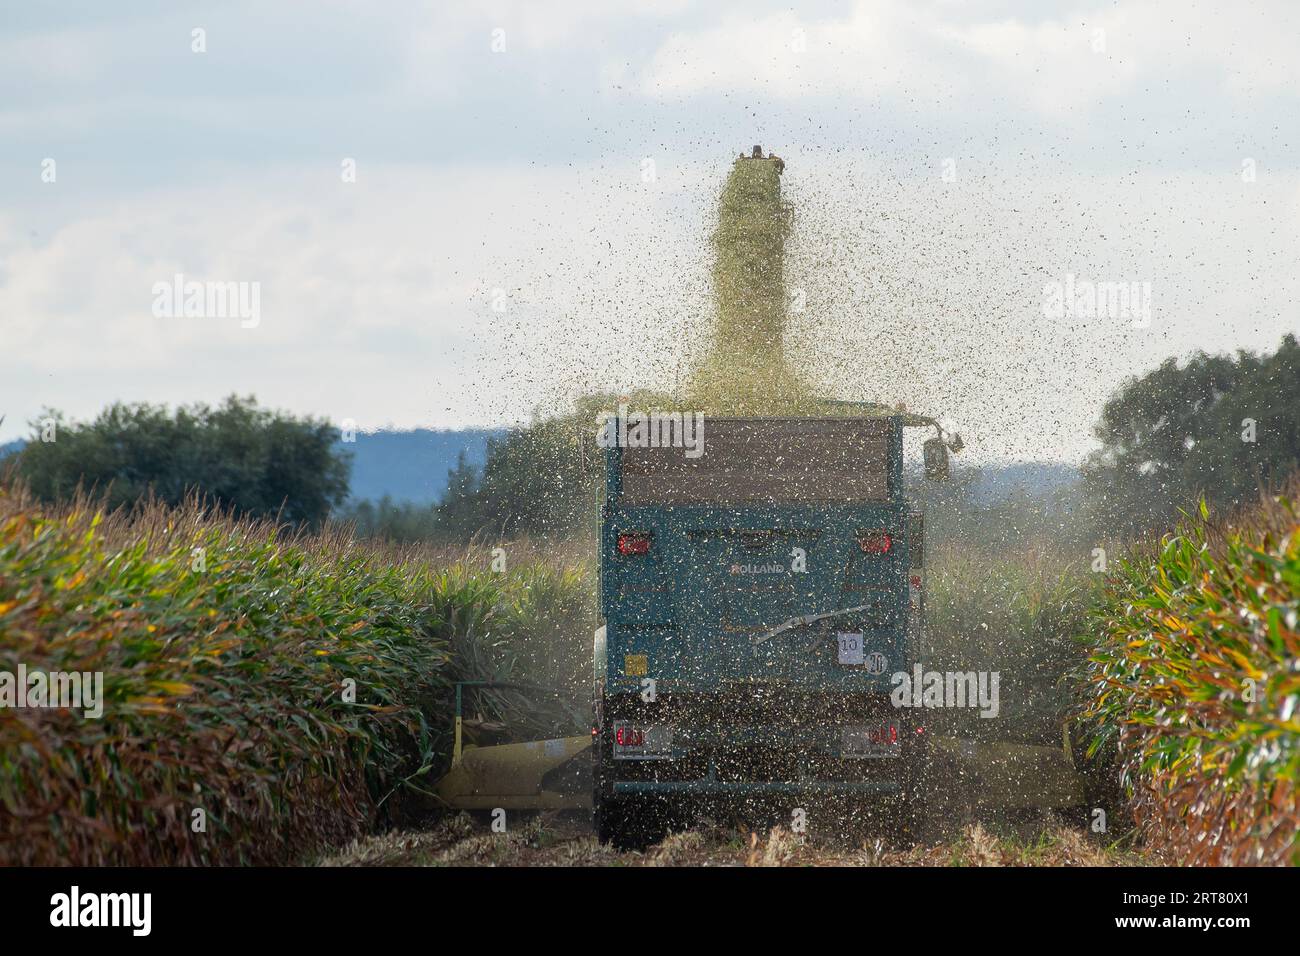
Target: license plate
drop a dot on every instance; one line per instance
(870, 740)
(850, 649)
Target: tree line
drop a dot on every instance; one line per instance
(247, 459)
(1215, 426)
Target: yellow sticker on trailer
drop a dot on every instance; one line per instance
(635, 665)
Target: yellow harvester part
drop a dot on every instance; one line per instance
(539, 775)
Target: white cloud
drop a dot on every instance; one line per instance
(915, 53)
(783, 55)
(1059, 67)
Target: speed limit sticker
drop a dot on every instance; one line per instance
(876, 663)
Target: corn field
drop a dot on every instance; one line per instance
(264, 693)
(268, 694)
(1195, 684)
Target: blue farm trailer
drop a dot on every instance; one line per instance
(756, 597)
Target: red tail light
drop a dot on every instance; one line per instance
(629, 737)
(886, 734)
(634, 543)
(875, 542)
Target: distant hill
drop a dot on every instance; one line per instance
(412, 465)
(989, 485)
(1037, 479)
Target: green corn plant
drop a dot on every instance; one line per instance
(264, 693)
(1194, 681)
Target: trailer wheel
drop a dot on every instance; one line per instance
(611, 816)
(629, 823)
(609, 821)
(915, 819)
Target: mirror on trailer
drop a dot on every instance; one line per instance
(935, 453)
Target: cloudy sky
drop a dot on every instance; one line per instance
(534, 188)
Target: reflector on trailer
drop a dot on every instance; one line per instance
(634, 542)
(875, 542)
(643, 741)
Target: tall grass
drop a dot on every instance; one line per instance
(1016, 612)
(292, 689)
(1195, 681)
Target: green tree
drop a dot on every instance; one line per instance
(532, 483)
(251, 459)
(540, 479)
(461, 480)
(1219, 426)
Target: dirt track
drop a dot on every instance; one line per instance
(566, 840)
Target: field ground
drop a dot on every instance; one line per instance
(566, 839)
